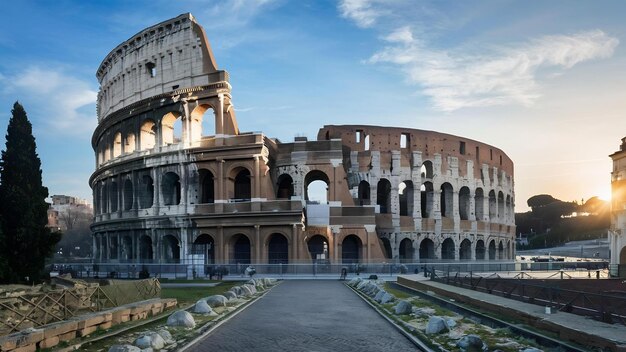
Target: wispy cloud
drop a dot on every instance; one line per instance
(57, 97)
(266, 108)
(363, 12)
(455, 79)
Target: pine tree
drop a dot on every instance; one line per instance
(26, 240)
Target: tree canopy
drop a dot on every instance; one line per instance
(26, 239)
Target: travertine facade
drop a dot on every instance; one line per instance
(176, 181)
(617, 233)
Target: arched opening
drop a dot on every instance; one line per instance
(492, 250)
(405, 192)
(479, 202)
(145, 249)
(147, 136)
(127, 248)
(146, 194)
(351, 250)
(171, 249)
(446, 200)
(316, 186)
(501, 251)
(427, 192)
(242, 186)
(117, 145)
(492, 206)
(240, 249)
(509, 250)
(464, 203)
(171, 128)
(383, 196)
(114, 247)
(201, 125)
(405, 251)
(113, 196)
(508, 208)
(207, 186)
(129, 143)
(447, 249)
(104, 198)
(318, 248)
(366, 143)
(622, 256)
(480, 250)
(426, 170)
(204, 246)
(427, 249)
(170, 189)
(364, 193)
(128, 194)
(386, 247)
(278, 249)
(285, 187)
(501, 213)
(465, 250)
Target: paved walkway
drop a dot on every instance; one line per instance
(307, 316)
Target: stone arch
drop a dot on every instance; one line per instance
(171, 128)
(492, 206)
(428, 196)
(501, 213)
(199, 125)
(171, 249)
(314, 182)
(479, 202)
(117, 144)
(509, 250)
(492, 250)
(277, 249)
(129, 143)
(447, 201)
(465, 250)
(383, 196)
(405, 251)
(242, 185)
(240, 252)
(146, 192)
(170, 188)
(447, 249)
(501, 250)
(427, 249)
(204, 246)
(145, 249)
(285, 187)
(207, 186)
(128, 195)
(426, 170)
(113, 196)
(508, 207)
(147, 135)
(622, 256)
(480, 250)
(464, 203)
(405, 192)
(364, 193)
(386, 247)
(351, 247)
(318, 248)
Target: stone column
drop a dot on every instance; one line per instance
(219, 116)
(257, 244)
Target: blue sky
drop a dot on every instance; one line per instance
(543, 80)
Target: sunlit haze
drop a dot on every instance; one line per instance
(543, 81)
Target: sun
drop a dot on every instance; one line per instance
(605, 195)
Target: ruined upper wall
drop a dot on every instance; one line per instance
(428, 143)
(166, 57)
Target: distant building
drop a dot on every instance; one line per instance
(617, 232)
(65, 208)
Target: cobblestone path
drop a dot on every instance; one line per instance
(306, 316)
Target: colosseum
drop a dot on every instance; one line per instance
(176, 181)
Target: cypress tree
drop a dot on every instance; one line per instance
(26, 239)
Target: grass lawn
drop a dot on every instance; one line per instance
(190, 295)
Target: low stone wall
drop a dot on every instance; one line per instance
(50, 335)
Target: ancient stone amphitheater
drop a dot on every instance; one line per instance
(176, 181)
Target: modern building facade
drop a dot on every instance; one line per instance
(176, 181)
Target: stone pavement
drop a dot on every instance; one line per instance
(306, 316)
